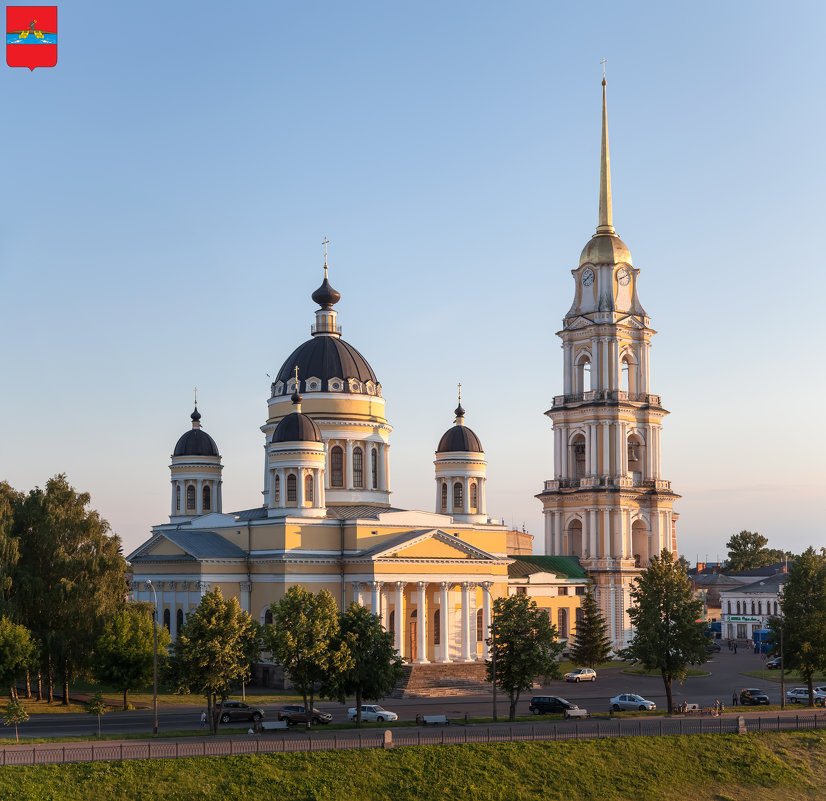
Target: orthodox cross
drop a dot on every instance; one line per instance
(325, 242)
(460, 393)
(296, 378)
(196, 396)
(603, 67)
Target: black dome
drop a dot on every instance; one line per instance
(326, 357)
(196, 442)
(459, 438)
(296, 427)
(325, 296)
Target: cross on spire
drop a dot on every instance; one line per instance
(603, 67)
(196, 395)
(296, 378)
(325, 242)
(460, 393)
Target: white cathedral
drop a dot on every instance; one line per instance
(327, 519)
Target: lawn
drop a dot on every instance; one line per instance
(793, 678)
(771, 767)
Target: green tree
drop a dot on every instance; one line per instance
(125, 651)
(668, 635)
(14, 712)
(303, 639)
(16, 651)
(747, 551)
(213, 650)
(803, 601)
(96, 706)
(70, 577)
(10, 501)
(375, 666)
(592, 644)
(525, 644)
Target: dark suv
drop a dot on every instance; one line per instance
(753, 697)
(236, 710)
(295, 713)
(549, 705)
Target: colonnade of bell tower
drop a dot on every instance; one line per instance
(607, 503)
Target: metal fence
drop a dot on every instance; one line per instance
(48, 753)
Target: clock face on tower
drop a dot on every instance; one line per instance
(622, 276)
(588, 277)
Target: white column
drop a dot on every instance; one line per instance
(594, 364)
(173, 510)
(487, 588)
(567, 368)
(246, 591)
(593, 533)
(623, 449)
(606, 361)
(199, 497)
(444, 621)
(421, 619)
(321, 499)
(381, 461)
(466, 498)
(327, 445)
(438, 507)
(299, 489)
(399, 616)
(173, 618)
(466, 622)
(375, 594)
(386, 463)
(594, 450)
(348, 464)
(220, 507)
(483, 499)
(357, 593)
(606, 449)
(564, 450)
(159, 589)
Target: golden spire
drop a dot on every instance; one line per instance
(605, 225)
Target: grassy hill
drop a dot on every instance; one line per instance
(787, 766)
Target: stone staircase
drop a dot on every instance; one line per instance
(440, 680)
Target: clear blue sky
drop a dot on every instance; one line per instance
(168, 184)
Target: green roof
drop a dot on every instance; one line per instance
(563, 566)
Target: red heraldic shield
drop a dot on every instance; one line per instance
(31, 36)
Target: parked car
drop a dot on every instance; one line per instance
(800, 695)
(581, 674)
(237, 710)
(753, 697)
(631, 701)
(549, 705)
(712, 646)
(295, 713)
(372, 712)
(774, 664)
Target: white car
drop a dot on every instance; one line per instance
(372, 712)
(800, 695)
(631, 701)
(581, 674)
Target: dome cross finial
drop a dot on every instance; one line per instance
(296, 397)
(460, 412)
(325, 242)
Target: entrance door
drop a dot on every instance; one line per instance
(413, 625)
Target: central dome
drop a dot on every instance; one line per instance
(327, 357)
(605, 249)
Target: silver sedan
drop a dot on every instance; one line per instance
(631, 701)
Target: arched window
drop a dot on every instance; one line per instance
(759, 607)
(579, 614)
(358, 467)
(738, 607)
(752, 607)
(480, 630)
(278, 489)
(391, 621)
(444, 496)
(336, 467)
(437, 627)
(775, 608)
(268, 617)
(374, 467)
(578, 456)
(206, 498)
(291, 488)
(308, 488)
(179, 619)
(729, 607)
(167, 617)
(624, 383)
(458, 496)
(474, 496)
(582, 375)
(190, 498)
(562, 624)
(177, 497)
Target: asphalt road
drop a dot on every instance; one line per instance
(725, 670)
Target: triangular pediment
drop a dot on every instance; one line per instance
(430, 545)
(579, 322)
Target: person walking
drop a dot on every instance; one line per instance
(735, 647)
(203, 720)
(734, 698)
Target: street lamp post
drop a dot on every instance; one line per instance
(782, 670)
(155, 661)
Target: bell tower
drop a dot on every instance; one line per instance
(607, 503)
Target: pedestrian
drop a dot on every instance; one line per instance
(734, 698)
(203, 719)
(735, 648)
